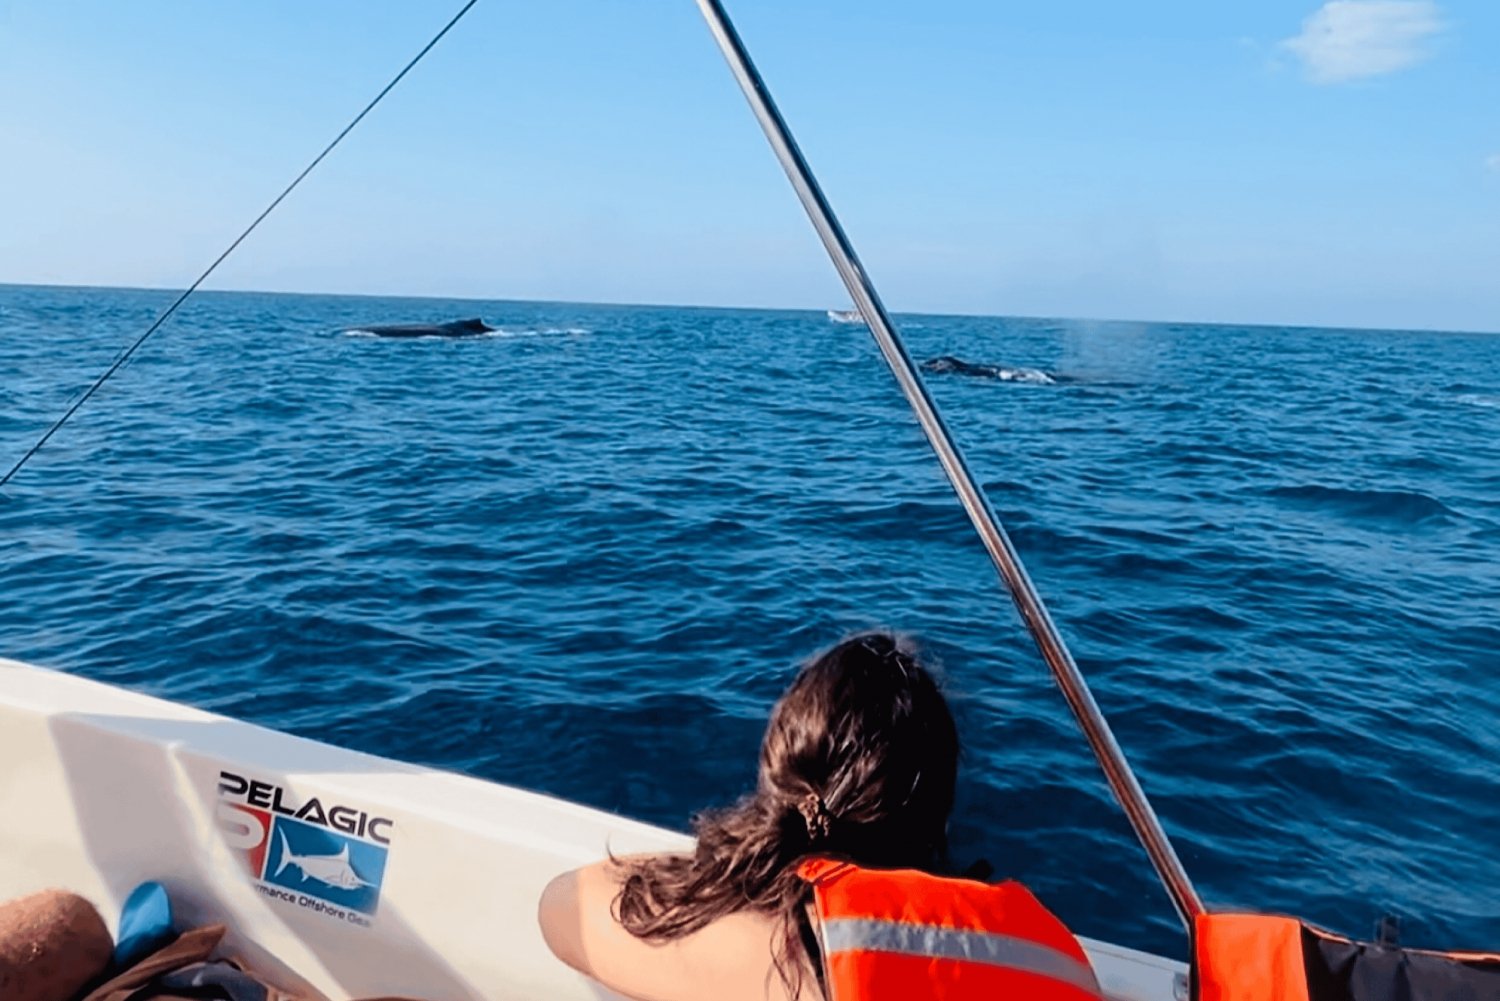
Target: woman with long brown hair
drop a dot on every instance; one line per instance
(857, 772)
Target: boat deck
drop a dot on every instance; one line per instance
(435, 897)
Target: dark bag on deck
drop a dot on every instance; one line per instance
(1258, 957)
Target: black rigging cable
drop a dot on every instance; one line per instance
(125, 355)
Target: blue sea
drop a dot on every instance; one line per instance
(583, 555)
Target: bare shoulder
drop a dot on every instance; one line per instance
(728, 960)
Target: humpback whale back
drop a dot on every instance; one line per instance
(950, 364)
(453, 328)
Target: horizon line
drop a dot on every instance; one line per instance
(760, 309)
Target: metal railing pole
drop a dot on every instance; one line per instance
(1054, 651)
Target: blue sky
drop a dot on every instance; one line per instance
(1282, 161)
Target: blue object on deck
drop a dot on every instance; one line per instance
(145, 924)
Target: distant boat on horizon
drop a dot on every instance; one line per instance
(845, 316)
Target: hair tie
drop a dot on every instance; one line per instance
(815, 813)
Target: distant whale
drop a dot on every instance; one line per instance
(453, 328)
(957, 366)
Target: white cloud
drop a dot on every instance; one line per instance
(1350, 39)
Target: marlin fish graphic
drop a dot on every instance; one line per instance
(332, 870)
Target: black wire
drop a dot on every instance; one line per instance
(125, 355)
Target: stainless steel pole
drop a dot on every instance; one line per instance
(1054, 651)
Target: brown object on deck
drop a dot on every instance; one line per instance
(52, 943)
(190, 947)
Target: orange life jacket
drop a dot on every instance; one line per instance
(1265, 957)
(903, 935)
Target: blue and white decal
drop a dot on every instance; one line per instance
(333, 867)
(326, 858)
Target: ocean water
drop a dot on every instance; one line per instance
(584, 554)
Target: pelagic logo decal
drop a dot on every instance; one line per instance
(326, 857)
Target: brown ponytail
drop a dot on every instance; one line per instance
(859, 761)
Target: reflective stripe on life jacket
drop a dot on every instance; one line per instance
(903, 934)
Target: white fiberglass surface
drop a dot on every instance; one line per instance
(337, 871)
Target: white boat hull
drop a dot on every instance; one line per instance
(434, 895)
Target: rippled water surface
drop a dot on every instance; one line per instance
(582, 555)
